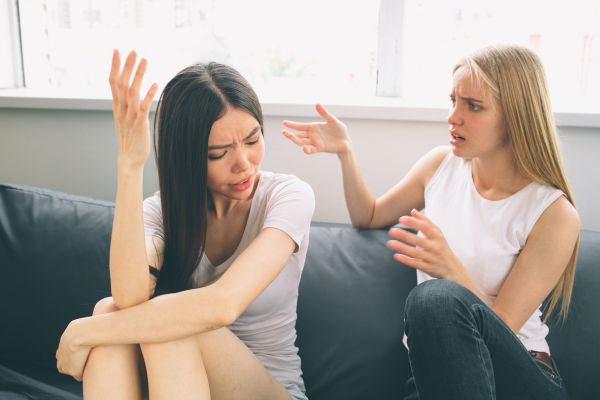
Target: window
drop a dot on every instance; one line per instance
(332, 51)
(297, 49)
(565, 34)
(11, 71)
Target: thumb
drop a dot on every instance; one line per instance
(324, 113)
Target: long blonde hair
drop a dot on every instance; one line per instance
(516, 78)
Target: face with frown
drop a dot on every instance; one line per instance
(235, 151)
(477, 127)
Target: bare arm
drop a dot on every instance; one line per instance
(173, 316)
(331, 136)
(129, 278)
(534, 274)
(540, 264)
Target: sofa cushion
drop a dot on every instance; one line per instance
(350, 315)
(575, 343)
(53, 268)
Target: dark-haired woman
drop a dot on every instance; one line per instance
(205, 273)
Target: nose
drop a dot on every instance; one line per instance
(241, 162)
(454, 117)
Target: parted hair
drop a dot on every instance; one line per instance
(188, 107)
(515, 76)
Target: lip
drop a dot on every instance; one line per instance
(242, 185)
(456, 139)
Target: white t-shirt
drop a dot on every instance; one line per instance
(268, 325)
(487, 236)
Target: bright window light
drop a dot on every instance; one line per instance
(289, 50)
(333, 51)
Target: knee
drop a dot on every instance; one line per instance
(434, 299)
(104, 306)
(186, 345)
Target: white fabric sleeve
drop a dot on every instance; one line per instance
(153, 217)
(290, 209)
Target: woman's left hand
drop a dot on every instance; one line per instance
(430, 253)
(70, 356)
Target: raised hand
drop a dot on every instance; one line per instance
(330, 136)
(131, 113)
(430, 253)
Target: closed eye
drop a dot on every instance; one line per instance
(216, 157)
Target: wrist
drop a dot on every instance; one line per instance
(127, 167)
(346, 154)
(77, 333)
(458, 274)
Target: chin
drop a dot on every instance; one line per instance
(461, 153)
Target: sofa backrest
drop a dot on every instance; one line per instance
(350, 318)
(351, 315)
(54, 268)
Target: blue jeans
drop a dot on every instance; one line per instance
(460, 349)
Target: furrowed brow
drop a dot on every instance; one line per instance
(224, 146)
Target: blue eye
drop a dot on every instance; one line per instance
(474, 107)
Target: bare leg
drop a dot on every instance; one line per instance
(212, 365)
(112, 372)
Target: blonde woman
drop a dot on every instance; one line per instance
(499, 230)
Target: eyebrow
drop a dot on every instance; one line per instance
(224, 146)
(469, 99)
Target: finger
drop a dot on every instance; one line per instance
(309, 149)
(417, 214)
(125, 77)
(300, 140)
(134, 91)
(403, 248)
(408, 237)
(297, 125)
(114, 75)
(324, 113)
(145, 106)
(409, 261)
(426, 227)
(293, 137)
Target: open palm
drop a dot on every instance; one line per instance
(330, 136)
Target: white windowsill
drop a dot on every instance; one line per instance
(379, 109)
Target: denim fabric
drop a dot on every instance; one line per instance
(460, 349)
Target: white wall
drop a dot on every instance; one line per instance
(75, 151)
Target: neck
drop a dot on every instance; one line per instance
(496, 176)
(225, 206)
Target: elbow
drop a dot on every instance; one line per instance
(127, 301)
(228, 308)
(228, 314)
(361, 224)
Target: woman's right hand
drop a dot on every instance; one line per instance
(131, 114)
(330, 136)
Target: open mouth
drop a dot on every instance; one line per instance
(243, 184)
(456, 139)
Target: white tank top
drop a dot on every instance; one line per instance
(487, 236)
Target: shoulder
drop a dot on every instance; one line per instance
(153, 200)
(429, 163)
(561, 213)
(277, 184)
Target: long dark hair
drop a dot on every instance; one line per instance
(189, 105)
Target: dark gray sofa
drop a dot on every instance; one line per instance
(54, 267)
